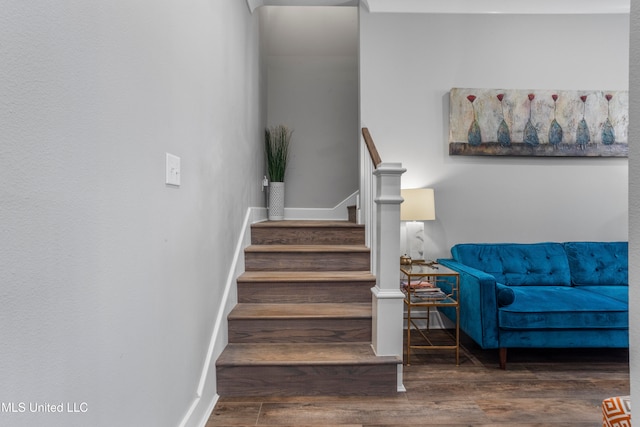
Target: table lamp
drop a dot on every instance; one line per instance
(419, 205)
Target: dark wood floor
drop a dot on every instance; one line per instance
(539, 388)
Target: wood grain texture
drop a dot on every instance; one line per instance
(315, 277)
(298, 323)
(307, 233)
(307, 258)
(352, 213)
(315, 249)
(301, 292)
(541, 388)
(304, 319)
(297, 223)
(342, 380)
(304, 369)
(305, 287)
(371, 146)
(301, 311)
(302, 354)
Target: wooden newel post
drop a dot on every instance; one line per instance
(387, 298)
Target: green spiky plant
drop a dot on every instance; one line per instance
(276, 141)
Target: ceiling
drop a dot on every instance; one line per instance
(322, 27)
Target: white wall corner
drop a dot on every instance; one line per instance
(258, 214)
(254, 4)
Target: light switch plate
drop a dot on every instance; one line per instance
(173, 170)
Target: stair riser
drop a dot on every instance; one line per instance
(307, 380)
(307, 236)
(303, 324)
(307, 261)
(299, 292)
(352, 213)
(299, 330)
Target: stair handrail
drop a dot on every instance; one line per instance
(371, 147)
(366, 213)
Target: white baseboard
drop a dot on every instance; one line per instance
(206, 394)
(437, 320)
(337, 213)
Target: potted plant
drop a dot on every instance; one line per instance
(276, 141)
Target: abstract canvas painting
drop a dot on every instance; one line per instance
(497, 122)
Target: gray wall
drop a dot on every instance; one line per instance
(110, 280)
(408, 65)
(312, 87)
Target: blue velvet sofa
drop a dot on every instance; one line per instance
(554, 295)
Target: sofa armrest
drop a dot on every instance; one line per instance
(505, 295)
(478, 303)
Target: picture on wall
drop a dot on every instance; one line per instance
(560, 123)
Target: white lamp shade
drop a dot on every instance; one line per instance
(419, 205)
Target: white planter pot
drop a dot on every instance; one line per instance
(276, 201)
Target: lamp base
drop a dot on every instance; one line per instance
(415, 240)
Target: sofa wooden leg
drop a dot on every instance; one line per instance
(503, 358)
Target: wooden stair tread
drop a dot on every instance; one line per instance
(300, 311)
(306, 248)
(303, 322)
(276, 354)
(306, 276)
(306, 224)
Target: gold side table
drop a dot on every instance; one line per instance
(414, 280)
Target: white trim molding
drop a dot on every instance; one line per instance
(337, 213)
(387, 299)
(578, 7)
(254, 4)
(205, 396)
(575, 7)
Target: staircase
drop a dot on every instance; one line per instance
(302, 325)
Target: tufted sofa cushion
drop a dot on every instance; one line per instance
(598, 263)
(562, 307)
(518, 264)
